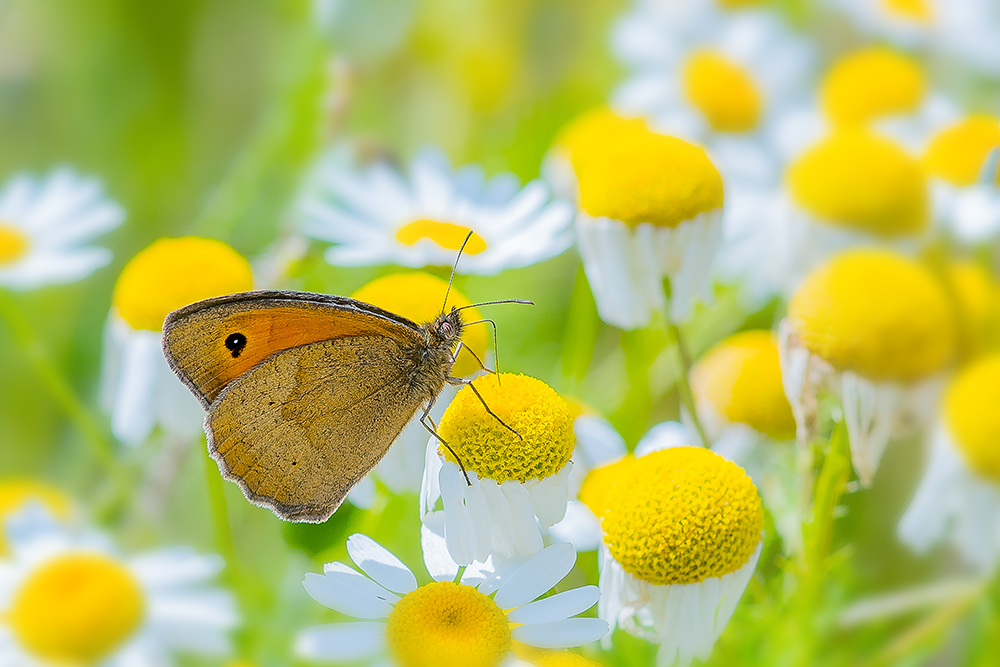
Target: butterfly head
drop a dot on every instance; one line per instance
(446, 330)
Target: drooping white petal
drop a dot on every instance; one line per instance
(562, 634)
(378, 563)
(439, 563)
(349, 592)
(341, 642)
(542, 571)
(527, 538)
(558, 607)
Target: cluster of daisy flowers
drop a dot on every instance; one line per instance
(834, 180)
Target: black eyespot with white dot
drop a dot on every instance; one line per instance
(235, 343)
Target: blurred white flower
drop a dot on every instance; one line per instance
(376, 215)
(445, 623)
(71, 598)
(44, 223)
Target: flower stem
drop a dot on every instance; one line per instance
(60, 390)
(684, 384)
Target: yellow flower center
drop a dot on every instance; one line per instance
(582, 136)
(972, 418)
(869, 84)
(683, 515)
(16, 494)
(77, 609)
(13, 244)
(173, 272)
(958, 153)
(447, 235)
(445, 624)
(741, 380)
(530, 407)
(419, 297)
(599, 482)
(722, 90)
(560, 659)
(913, 10)
(876, 313)
(857, 180)
(975, 295)
(649, 178)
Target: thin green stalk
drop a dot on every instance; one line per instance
(60, 389)
(684, 381)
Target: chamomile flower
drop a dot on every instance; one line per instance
(419, 297)
(470, 623)
(962, 29)
(650, 209)
(71, 598)
(138, 388)
(977, 305)
(44, 224)
(963, 162)
(714, 77)
(376, 215)
(853, 188)
(17, 494)
(682, 535)
(518, 484)
(958, 500)
(876, 330)
(555, 659)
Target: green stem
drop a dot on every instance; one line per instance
(60, 389)
(684, 381)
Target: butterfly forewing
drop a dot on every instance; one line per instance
(298, 432)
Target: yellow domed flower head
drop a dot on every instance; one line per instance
(599, 482)
(419, 297)
(857, 180)
(972, 418)
(516, 467)
(71, 599)
(877, 329)
(650, 208)
(469, 621)
(957, 154)
(739, 381)
(139, 390)
(722, 90)
(17, 494)
(977, 303)
(560, 659)
(876, 313)
(871, 83)
(173, 272)
(682, 533)
(588, 132)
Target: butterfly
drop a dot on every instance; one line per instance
(305, 392)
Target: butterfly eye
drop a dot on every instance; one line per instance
(446, 328)
(235, 343)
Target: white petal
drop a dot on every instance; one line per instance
(349, 592)
(378, 563)
(562, 634)
(597, 441)
(341, 642)
(439, 563)
(579, 527)
(527, 537)
(542, 571)
(558, 607)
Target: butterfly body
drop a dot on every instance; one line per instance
(305, 392)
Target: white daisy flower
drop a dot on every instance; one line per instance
(958, 500)
(515, 484)
(138, 388)
(682, 536)
(419, 297)
(713, 77)
(17, 494)
(962, 29)
(44, 223)
(876, 330)
(650, 209)
(71, 598)
(376, 215)
(446, 623)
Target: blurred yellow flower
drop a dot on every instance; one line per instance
(957, 153)
(599, 482)
(871, 83)
(722, 90)
(972, 417)
(977, 302)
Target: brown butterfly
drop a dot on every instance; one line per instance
(306, 392)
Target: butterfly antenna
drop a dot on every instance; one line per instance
(454, 268)
(523, 302)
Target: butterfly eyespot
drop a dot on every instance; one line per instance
(235, 344)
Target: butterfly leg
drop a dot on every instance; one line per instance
(496, 350)
(474, 356)
(432, 429)
(468, 383)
